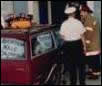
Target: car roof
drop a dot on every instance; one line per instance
(33, 29)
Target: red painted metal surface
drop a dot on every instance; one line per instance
(27, 71)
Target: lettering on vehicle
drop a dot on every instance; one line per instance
(12, 48)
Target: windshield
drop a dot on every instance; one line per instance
(12, 48)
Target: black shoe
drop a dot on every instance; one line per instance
(72, 83)
(64, 82)
(82, 83)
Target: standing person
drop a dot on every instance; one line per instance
(91, 42)
(71, 32)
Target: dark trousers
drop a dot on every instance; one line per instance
(94, 62)
(74, 59)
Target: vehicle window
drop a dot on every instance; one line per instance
(58, 38)
(42, 43)
(12, 48)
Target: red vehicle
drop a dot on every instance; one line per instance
(30, 56)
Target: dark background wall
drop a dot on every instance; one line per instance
(43, 12)
(58, 8)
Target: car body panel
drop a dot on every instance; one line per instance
(31, 69)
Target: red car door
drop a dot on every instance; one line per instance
(4, 67)
(18, 72)
(43, 55)
(15, 68)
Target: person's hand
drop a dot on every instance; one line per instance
(88, 41)
(89, 29)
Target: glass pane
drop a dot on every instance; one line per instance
(12, 48)
(42, 43)
(20, 6)
(58, 38)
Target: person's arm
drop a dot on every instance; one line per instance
(83, 30)
(62, 36)
(83, 40)
(62, 31)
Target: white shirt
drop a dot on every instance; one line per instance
(72, 29)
